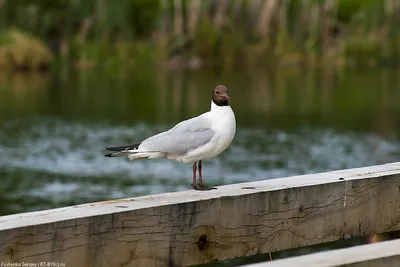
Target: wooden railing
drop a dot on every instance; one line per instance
(193, 227)
(384, 254)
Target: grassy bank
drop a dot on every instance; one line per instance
(177, 33)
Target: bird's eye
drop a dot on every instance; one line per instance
(217, 92)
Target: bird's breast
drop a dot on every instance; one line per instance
(225, 129)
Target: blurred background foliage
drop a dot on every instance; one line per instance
(194, 33)
(314, 88)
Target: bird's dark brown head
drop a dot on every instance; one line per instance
(220, 96)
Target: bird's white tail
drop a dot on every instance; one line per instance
(137, 155)
(146, 155)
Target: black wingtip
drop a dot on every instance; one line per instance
(113, 148)
(120, 148)
(108, 155)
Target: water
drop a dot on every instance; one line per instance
(54, 128)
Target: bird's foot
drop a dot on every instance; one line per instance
(203, 187)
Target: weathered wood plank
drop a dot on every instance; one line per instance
(384, 254)
(235, 220)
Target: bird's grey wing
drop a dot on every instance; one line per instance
(184, 137)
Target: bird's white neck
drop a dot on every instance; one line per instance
(216, 109)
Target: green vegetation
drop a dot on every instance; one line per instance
(20, 50)
(170, 32)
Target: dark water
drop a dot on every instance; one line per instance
(54, 127)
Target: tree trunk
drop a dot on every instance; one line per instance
(220, 14)
(178, 20)
(265, 17)
(194, 12)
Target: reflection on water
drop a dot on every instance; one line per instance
(54, 130)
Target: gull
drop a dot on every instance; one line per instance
(190, 141)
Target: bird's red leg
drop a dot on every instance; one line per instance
(201, 186)
(200, 175)
(194, 176)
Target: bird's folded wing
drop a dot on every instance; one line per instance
(184, 137)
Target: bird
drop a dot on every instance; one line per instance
(190, 141)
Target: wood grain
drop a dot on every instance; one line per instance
(192, 227)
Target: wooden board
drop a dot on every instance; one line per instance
(384, 254)
(192, 227)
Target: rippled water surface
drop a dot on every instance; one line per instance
(54, 129)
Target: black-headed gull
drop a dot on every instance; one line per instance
(190, 141)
